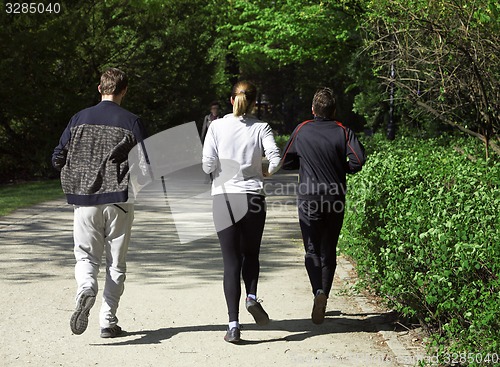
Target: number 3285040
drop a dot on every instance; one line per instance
(32, 8)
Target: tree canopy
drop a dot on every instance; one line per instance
(182, 54)
(445, 54)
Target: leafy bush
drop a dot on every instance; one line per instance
(281, 141)
(423, 225)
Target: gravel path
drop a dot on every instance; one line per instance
(173, 308)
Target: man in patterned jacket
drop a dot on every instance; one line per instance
(93, 158)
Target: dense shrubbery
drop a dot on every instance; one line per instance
(423, 226)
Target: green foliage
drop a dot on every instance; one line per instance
(289, 49)
(181, 54)
(445, 57)
(424, 228)
(22, 195)
(50, 66)
(287, 31)
(281, 141)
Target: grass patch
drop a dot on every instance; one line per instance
(15, 196)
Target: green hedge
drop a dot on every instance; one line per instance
(423, 225)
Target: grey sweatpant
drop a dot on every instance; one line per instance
(97, 229)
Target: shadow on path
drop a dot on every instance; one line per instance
(39, 245)
(300, 329)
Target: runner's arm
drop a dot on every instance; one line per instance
(355, 153)
(271, 150)
(290, 160)
(61, 151)
(210, 154)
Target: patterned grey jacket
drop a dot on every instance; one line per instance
(92, 154)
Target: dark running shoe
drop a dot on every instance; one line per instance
(319, 308)
(80, 318)
(233, 335)
(255, 308)
(111, 332)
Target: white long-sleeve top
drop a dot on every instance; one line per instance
(233, 151)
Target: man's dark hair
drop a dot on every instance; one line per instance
(215, 103)
(324, 104)
(113, 81)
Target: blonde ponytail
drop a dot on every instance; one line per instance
(244, 95)
(240, 105)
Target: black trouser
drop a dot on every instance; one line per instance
(240, 243)
(320, 223)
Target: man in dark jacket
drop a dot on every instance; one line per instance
(93, 158)
(324, 151)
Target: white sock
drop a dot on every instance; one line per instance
(252, 296)
(233, 324)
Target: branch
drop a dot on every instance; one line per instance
(439, 115)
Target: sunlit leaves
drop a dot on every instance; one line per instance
(423, 226)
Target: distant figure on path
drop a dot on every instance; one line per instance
(93, 158)
(233, 152)
(213, 115)
(324, 151)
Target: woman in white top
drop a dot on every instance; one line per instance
(232, 153)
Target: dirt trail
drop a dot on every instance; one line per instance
(173, 308)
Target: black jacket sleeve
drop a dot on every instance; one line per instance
(61, 151)
(290, 160)
(139, 131)
(355, 153)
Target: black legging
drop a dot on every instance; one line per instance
(240, 243)
(320, 223)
